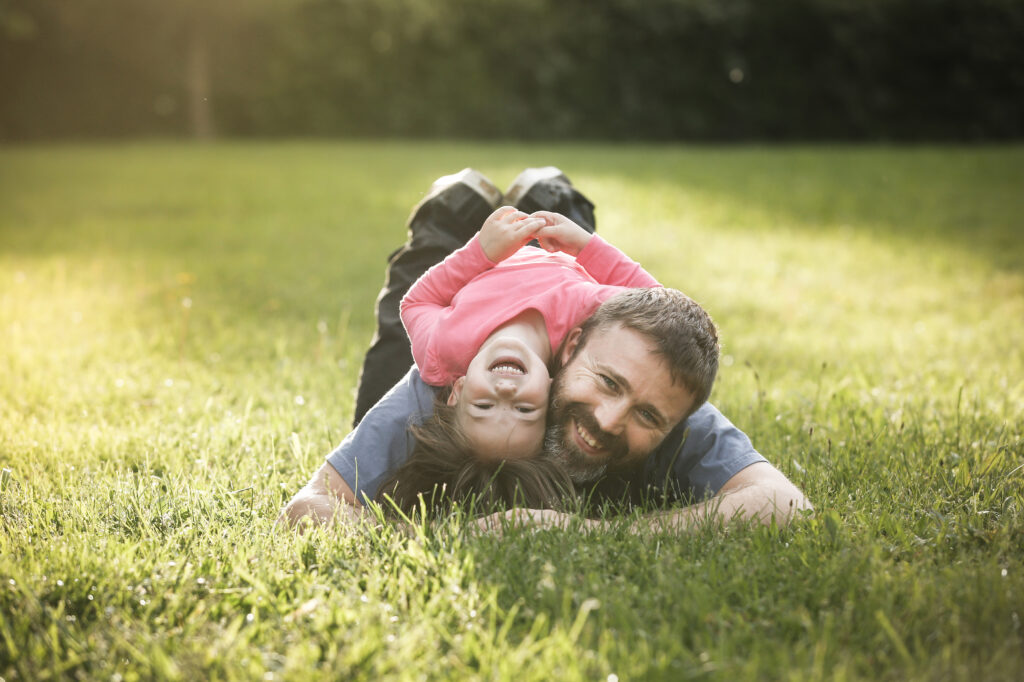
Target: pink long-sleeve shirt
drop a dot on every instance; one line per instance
(451, 310)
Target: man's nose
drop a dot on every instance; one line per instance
(611, 415)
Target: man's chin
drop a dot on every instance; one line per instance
(579, 468)
(561, 448)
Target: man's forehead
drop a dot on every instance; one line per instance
(617, 343)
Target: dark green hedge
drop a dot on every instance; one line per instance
(608, 69)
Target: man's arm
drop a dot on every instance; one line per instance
(759, 493)
(327, 499)
(364, 459)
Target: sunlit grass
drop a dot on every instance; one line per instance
(180, 335)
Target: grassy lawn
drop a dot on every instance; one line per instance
(181, 329)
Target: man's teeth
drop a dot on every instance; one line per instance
(507, 368)
(586, 437)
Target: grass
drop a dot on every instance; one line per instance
(182, 328)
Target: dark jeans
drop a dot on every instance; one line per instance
(435, 230)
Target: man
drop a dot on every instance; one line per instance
(616, 404)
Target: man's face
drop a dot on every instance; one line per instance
(612, 403)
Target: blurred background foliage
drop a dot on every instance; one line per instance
(523, 69)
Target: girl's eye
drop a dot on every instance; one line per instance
(526, 410)
(482, 406)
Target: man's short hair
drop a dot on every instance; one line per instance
(682, 331)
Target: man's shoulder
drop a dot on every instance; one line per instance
(380, 444)
(700, 455)
(410, 397)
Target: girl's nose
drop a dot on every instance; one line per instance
(505, 389)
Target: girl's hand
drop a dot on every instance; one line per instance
(560, 234)
(506, 231)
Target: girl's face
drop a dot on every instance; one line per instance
(502, 402)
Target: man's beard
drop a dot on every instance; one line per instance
(560, 447)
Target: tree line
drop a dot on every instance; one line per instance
(524, 69)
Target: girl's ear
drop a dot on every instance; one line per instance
(569, 346)
(453, 397)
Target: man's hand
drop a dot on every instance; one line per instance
(326, 499)
(561, 234)
(528, 518)
(506, 231)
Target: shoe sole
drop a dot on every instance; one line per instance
(473, 179)
(456, 205)
(522, 185)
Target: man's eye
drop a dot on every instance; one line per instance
(611, 385)
(647, 417)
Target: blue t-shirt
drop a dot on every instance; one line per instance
(695, 459)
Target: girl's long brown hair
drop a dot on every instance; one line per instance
(443, 469)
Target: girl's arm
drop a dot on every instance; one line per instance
(502, 234)
(608, 265)
(430, 296)
(604, 262)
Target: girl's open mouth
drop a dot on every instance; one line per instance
(508, 366)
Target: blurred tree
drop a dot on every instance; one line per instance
(621, 69)
(199, 25)
(106, 66)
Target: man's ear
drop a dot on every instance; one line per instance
(569, 346)
(453, 397)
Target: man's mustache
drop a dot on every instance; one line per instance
(614, 446)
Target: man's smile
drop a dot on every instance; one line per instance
(587, 442)
(591, 441)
